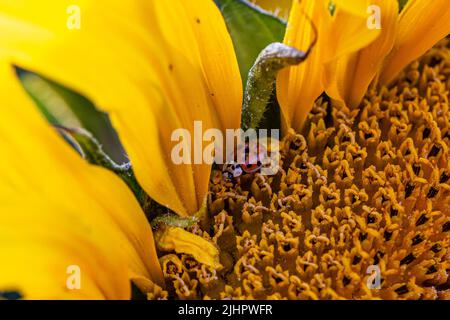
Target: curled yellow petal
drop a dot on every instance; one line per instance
(47, 246)
(422, 23)
(57, 211)
(155, 66)
(351, 75)
(182, 241)
(348, 29)
(299, 86)
(280, 8)
(339, 35)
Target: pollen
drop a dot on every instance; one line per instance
(358, 190)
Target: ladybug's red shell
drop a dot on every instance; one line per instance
(251, 168)
(253, 162)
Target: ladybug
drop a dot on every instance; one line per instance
(231, 170)
(253, 164)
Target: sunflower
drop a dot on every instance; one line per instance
(364, 178)
(341, 69)
(154, 66)
(360, 207)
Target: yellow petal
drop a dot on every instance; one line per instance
(155, 66)
(182, 241)
(279, 7)
(339, 35)
(220, 68)
(56, 210)
(353, 7)
(422, 23)
(40, 243)
(299, 86)
(348, 32)
(351, 75)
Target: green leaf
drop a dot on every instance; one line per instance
(64, 107)
(251, 29)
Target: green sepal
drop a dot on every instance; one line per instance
(262, 78)
(173, 220)
(62, 106)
